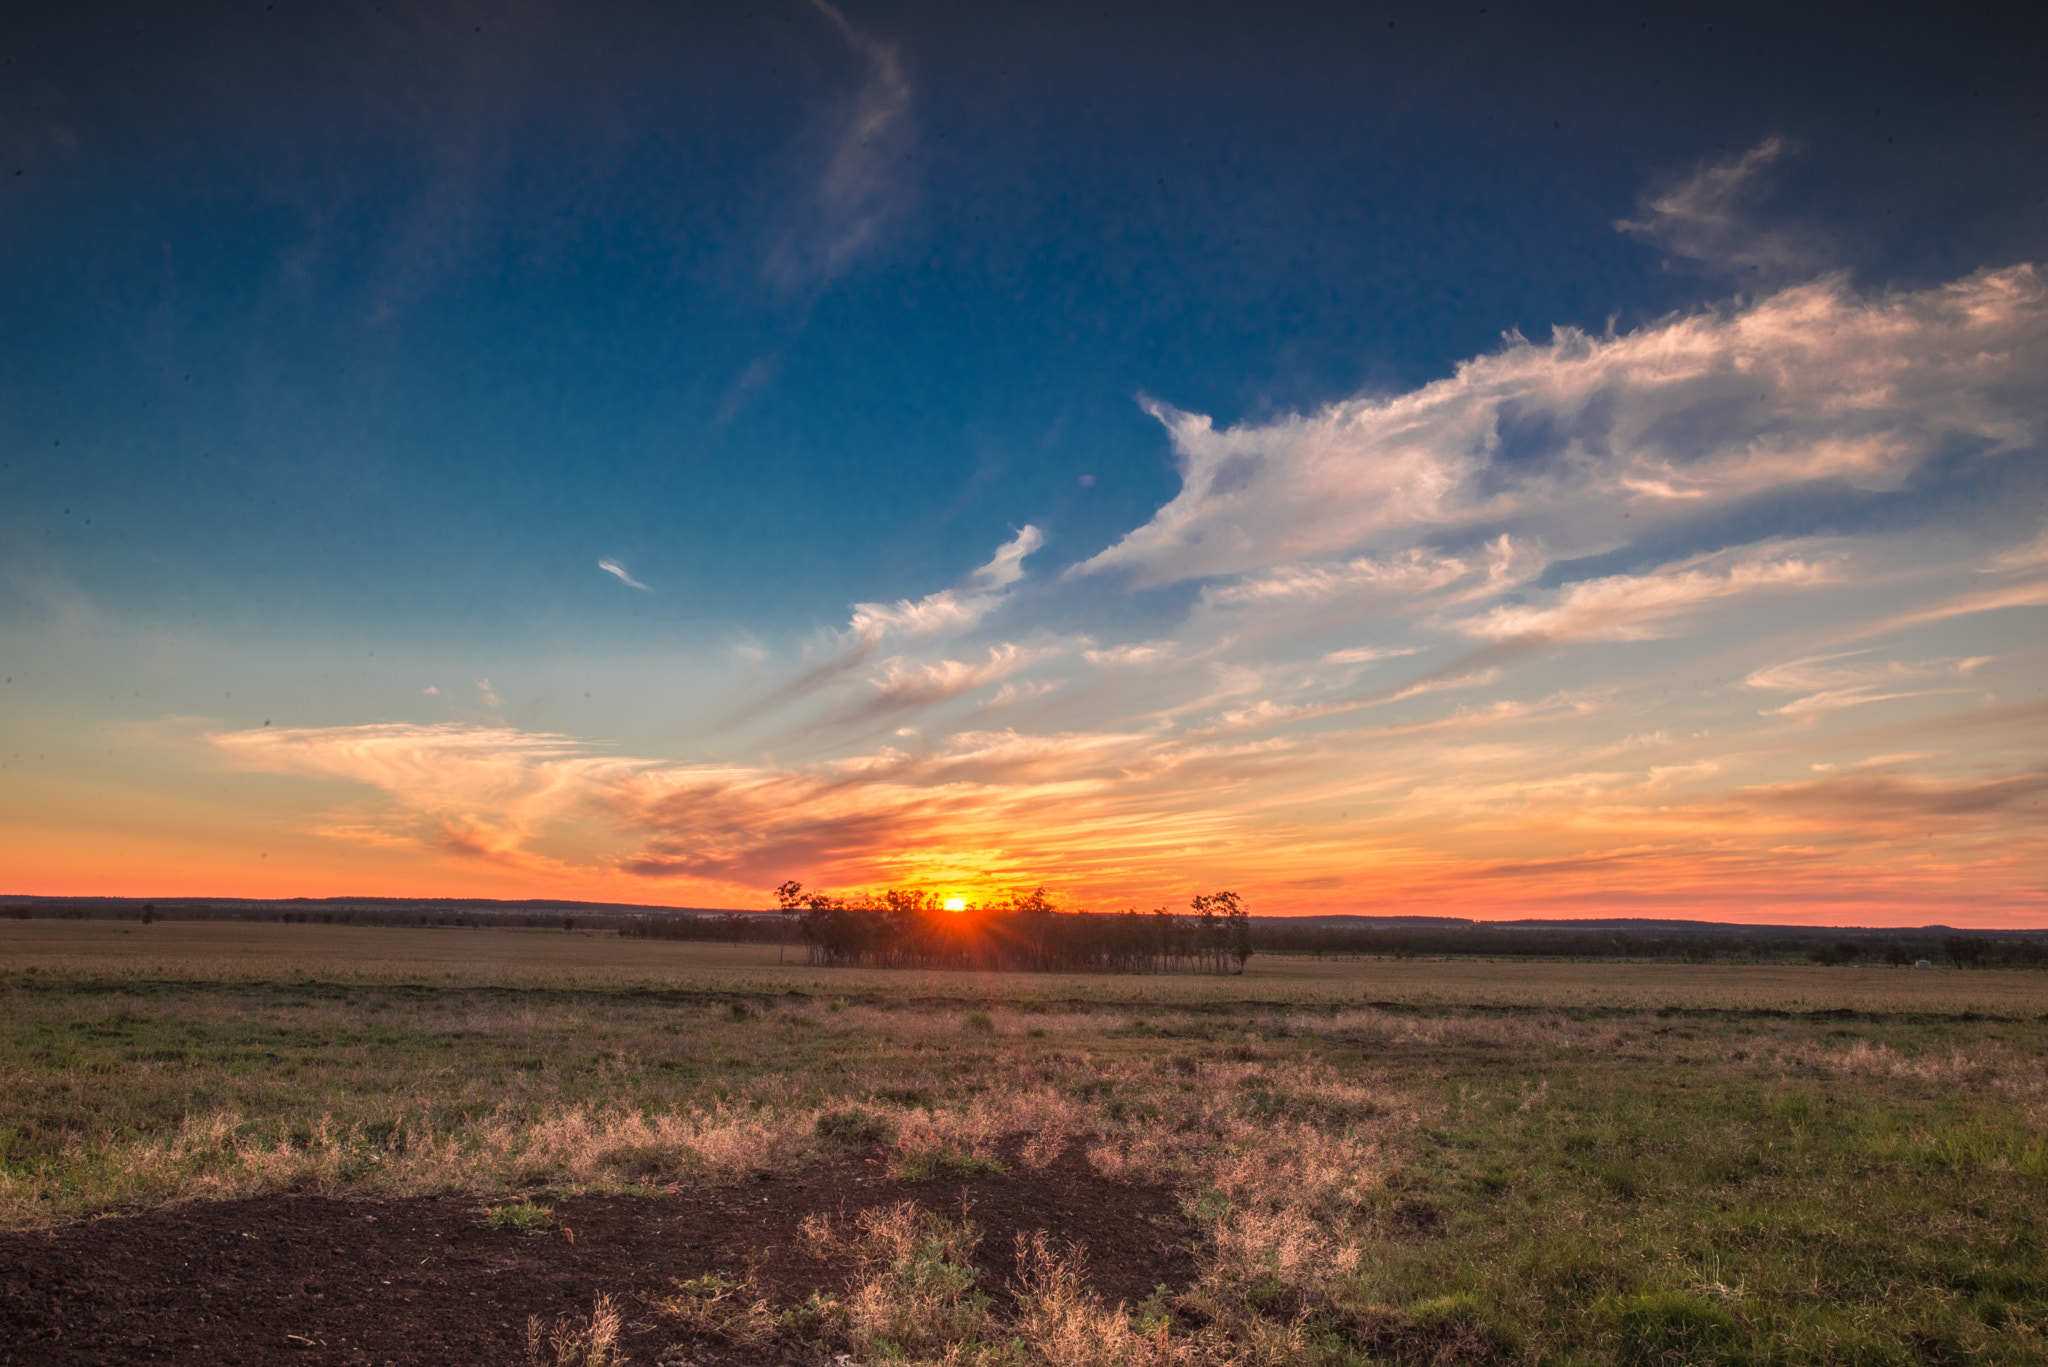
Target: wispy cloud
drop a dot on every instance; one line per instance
(1857, 669)
(864, 186)
(618, 571)
(903, 683)
(935, 617)
(1407, 575)
(468, 791)
(1586, 444)
(2025, 556)
(2027, 594)
(1127, 656)
(1706, 218)
(1361, 655)
(1007, 565)
(949, 610)
(1640, 607)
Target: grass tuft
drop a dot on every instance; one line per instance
(924, 1165)
(576, 1340)
(1653, 1327)
(524, 1217)
(855, 1127)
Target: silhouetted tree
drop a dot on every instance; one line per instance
(790, 897)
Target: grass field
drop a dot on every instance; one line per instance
(1427, 1162)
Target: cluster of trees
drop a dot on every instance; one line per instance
(1964, 951)
(732, 928)
(905, 928)
(1545, 942)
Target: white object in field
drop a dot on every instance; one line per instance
(1924, 963)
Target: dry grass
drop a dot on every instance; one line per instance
(1067, 1325)
(576, 1340)
(1585, 1179)
(918, 1299)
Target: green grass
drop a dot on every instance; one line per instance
(1735, 1192)
(1581, 1182)
(944, 1162)
(523, 1217)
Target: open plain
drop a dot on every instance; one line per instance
(332, 1144)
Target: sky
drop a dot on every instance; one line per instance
(1493, 461)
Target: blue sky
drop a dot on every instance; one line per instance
(347, 344)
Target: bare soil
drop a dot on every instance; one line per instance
(312, 1279)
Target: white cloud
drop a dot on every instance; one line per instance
(1836, 699)
(1006, 567)
(1362, 655)
(1406, 575)
(932, 615)
(1640, 607)
(614, 568)
(1852, 679)
(1126, 656)
(1855, 669)
(934, 618)
(949, 611)
(905, 683)
(1693, 412)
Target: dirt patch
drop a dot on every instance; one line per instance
(317, 1280)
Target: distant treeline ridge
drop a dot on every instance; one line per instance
(915, 930)
(1561, 942)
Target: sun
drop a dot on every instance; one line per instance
(956, 904)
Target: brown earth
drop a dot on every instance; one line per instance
(311, 1279)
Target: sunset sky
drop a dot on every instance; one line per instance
(1446, 460)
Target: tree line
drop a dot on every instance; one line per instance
(1214, 935)
(907, 928)
(1570, 942)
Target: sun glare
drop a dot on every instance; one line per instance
(956, 904)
